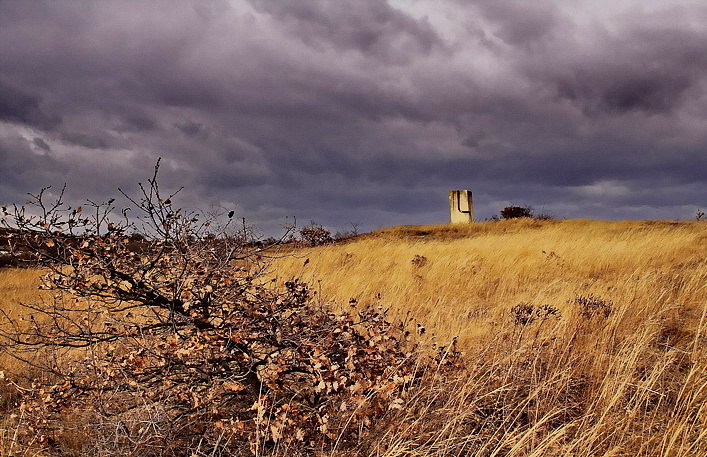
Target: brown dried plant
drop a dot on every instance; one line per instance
(163, 338)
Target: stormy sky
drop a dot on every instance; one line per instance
(362, 111)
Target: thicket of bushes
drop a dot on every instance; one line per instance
(175, 345)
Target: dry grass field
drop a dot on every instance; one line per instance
(461, 280)
(576, 382)
(580, 338)
(17, 285)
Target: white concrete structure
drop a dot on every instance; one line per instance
(461, 208)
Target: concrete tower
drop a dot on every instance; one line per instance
(461, 209)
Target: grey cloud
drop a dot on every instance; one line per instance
(362, 112)
(629, 86)
(520, 23)
(191, 128)
(41, 144)
(21, 107)
(368, 26)
(24, 169)
(647, 70)
(137, 122)
(87, 141)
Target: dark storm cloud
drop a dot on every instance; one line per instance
(87, 141)
(520, 23)
(191, 128)
(370, 27)
(41, 144)
(647, 70)
(20, 107)
(364, 111)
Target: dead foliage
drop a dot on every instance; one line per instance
(179, 346)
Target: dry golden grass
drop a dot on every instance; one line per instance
(17, 286)
(630, 384)
(472, 274)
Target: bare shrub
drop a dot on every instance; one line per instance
(315, 234)
(526, 313)
(591, 306)
(419, 261)
(163, 339)
(514, 212)
(544, 216)
(523, 314)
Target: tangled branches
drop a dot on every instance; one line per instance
(164, 337)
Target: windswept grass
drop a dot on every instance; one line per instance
(618, 369)
(17, 286)
(461, 280)
(581, 338)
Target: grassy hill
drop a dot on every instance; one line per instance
(580, 338)
(460, 279)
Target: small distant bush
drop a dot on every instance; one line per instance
(526, 313)
(523, 313)
(315, 235)
(591, 306)
(544, 216)
(514, 212)
(419, 260)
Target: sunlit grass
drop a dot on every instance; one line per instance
(468, 276)
(18, 286)
(630, 383)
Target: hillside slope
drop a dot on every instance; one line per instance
(461, 279)
(580, 338)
